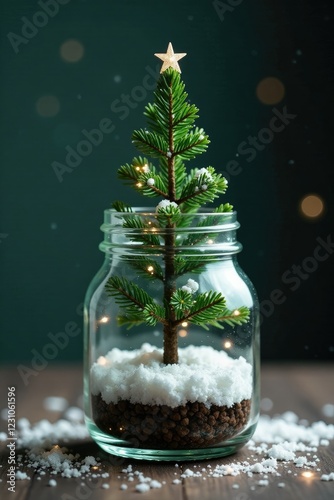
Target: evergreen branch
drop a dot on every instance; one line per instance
(146, 235)
(235, 317)
(132, 173)
(127, 294)
(150, 143)
(181, 301)
(196, 192)
(209, 221)
(131, 320)
(119, 206)
(149, 268)
(192, 144)
(186, 118)
(206, 308)
(159, 188)
(180, 173)
(190, 265)
(156, 120)
(154, 313)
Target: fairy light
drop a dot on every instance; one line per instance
(139, 184)
(150, 269)
(183, 333)
(307, 474)
(227, 344)
(184, 323)
(236, 313)
(210, 242)
(104, 319)
(102, 361)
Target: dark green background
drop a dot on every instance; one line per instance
(49, 230)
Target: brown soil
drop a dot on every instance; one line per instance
(161, 427)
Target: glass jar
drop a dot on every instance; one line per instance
(137, 406)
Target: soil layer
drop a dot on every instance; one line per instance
(193, 425)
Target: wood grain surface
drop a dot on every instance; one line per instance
(302, 388)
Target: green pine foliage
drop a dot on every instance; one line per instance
(170, 140)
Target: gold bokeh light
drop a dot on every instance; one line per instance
(312, 206)
(47, 106)
(72, 51)
(270, 90)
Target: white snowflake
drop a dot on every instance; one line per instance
(207, 175)
(165, 204)
(191, 286)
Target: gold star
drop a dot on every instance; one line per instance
(170, 59)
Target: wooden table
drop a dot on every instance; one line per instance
(302, 388)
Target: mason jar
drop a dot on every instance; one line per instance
(137, 405)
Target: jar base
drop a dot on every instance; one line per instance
(121, 448)
(190, 426)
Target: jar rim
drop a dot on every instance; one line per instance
(150, 211)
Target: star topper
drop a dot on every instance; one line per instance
(170, 59)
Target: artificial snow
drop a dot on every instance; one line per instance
(203, 374)
(205, 173)
(52, 482)
(55, 403)
(165, 204)
(142, 487)
(21, 475)
(327, 477)
(328, 410)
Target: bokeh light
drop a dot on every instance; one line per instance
(270, 90)
(312, 206)
(47, 105)
(72, 51)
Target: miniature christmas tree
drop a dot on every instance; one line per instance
(172, 138)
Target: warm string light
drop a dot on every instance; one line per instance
(308, 474)
(104, 319)
(183, 333)
(227, 344)
(236, 313)
(150, 269)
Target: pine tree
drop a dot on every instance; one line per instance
(172, 139)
